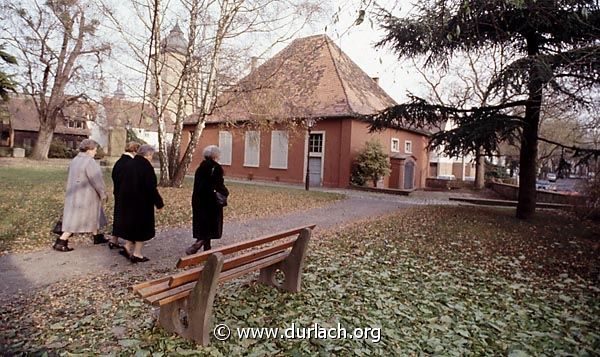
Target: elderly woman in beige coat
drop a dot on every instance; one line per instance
(83, 200)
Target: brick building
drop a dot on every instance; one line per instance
(261, 123)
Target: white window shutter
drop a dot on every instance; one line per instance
(279, 149)
(225, 142)
(252, 149)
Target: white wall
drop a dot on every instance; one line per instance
(151, 137)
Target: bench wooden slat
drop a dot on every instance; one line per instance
(198, 258)
(149, 283)
(170, 299)
(183, 291)
(259, 264)
(170, 292)
(154, 289)
(234, 262)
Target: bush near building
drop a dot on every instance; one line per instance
(371, 163)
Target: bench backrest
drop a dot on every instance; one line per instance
(198, 258)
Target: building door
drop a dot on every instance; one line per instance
(314, 174)
(409, 175)
(316, 144)
(395, 174)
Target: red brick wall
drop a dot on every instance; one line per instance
(296, 153)
(360, 135)
(343, 139)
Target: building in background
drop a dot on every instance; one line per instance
(20, 124)
(442, 166)
(261, 123)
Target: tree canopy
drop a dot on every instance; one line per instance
(58, 50)
(7, 84)
(557, 48)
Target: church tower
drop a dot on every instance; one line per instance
(173, 53)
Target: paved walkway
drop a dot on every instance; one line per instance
(29, 271)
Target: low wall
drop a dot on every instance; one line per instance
(391, 191)
(511, 192)
(438, 184)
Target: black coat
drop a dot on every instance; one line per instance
(207, 214)
(139, 196)
(117, 174)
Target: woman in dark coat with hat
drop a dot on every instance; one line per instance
(207, 212)
(139, 195)
(117, 175)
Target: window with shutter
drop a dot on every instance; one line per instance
(225, 144)
(279, 149)
(252, 149)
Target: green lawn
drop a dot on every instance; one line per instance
(445, 281)
(31, 200)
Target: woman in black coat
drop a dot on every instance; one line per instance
(117, 175)
(139, 195)
(207, 212)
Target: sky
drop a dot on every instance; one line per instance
(396, 76)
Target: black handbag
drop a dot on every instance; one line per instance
(221, 199)
(58, 227)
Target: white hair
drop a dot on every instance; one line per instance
(211, 152)
(87, 144)
(146, 150)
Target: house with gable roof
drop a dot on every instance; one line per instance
(260, 123)
(20, 124)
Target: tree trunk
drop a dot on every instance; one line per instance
(157, 98)
(42, 144)
(479, 170)
(527, 173)
(162, 154)
(528, 153)
(186, 160)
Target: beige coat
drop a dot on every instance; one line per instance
(83, 200)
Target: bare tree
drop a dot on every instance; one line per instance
(216, 35)
(54, 40)
(467, 86)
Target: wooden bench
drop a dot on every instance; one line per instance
(186, 298)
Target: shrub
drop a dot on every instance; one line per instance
(357, 177)
(495, 171)
(371, 163)
(60, 150)
(100, 153)
(132, 136)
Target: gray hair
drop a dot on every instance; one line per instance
(132, 146)
(211, 152)
(146, 150)
(87, 144)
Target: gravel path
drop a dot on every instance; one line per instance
(20, 273)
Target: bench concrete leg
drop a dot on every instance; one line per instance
(191, 317)
(291, 267)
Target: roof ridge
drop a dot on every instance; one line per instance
(337, 72)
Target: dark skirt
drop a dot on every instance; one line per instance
(207, 221)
